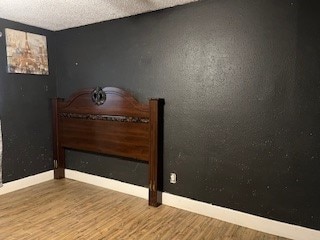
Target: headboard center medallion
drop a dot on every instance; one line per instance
(98, 96)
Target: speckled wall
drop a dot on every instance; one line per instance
(25, 113)
(240, 81)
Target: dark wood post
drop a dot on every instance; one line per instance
(58, 151)
(154, 152)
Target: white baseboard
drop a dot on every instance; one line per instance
(242, 219)
(26, 182)
(228, 215)
(111, 184)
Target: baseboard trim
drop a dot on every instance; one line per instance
(26, 182)
(107, 183)
(228, 215)
(242, 219)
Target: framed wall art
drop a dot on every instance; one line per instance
(26, 52)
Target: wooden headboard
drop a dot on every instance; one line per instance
(108, 121)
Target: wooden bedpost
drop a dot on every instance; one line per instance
(154, 152)
(58, 151)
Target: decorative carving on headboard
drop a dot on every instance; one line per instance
(98, 96)
(105, 117)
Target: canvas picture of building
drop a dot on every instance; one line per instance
(26, 52)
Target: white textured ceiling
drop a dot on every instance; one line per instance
(62, 14)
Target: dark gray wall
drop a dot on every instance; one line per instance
(240, 81)
(25, 113)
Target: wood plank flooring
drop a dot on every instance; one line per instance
(66, 209)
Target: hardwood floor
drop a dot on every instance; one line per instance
(66, 209)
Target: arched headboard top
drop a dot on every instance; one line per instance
(118, 103)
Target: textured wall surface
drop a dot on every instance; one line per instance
(240, 81)
(25, 113)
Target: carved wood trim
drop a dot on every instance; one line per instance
(105, 117)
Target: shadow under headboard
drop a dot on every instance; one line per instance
(109, 121)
